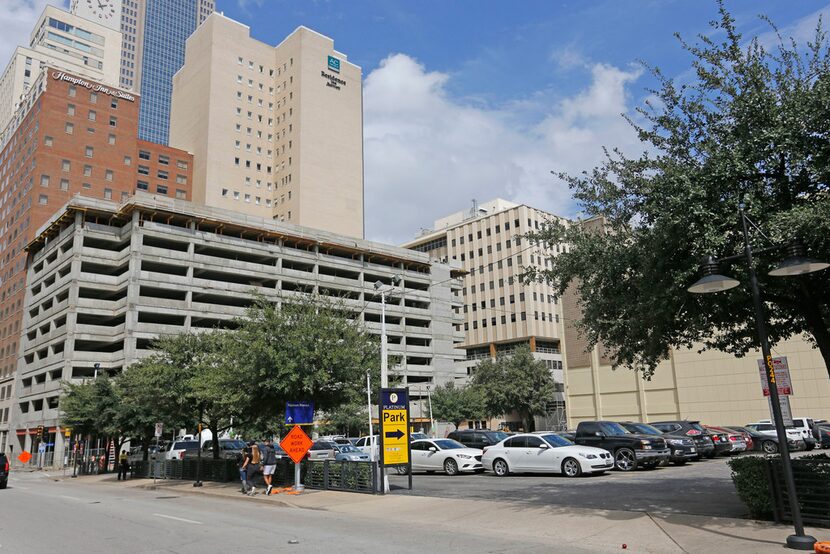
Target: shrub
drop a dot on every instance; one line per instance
(751, 478)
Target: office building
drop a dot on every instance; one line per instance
(499, 311)
(105, 279)
(280, 134)
(154, 32)
(75, 136)
(61, 40)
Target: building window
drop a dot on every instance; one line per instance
(47, 140)
(86, 185)
(236, 195)
(128, 160)
(69, 128)
(143, 154)
(111, 139)
(107, 194)
(181, 164)
(181, 194)
(93, 98)
(181, 179)
(162, 174)
(114, 103)
(66, 165)
(89, 151)
(87, 171)
(143, 170)
(70, 109)
(43, 200)
(247, 198)
(124, 196)
(92, 116)
(108, 175)
(161, 189)
(113, 122)
(64, 184)
(224, 193)
(164, 160)
(44, 180)
(72, 91)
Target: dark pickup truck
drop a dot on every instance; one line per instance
(4, 471)
(630, 450)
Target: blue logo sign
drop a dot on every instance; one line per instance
(334, 64)
(299, 413)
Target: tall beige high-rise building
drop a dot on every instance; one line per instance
(276, 131)
(60, 40)
(500, 312)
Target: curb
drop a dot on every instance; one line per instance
(177, 487)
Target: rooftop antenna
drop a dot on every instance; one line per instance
(474, 209)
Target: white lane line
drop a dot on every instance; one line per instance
(70, 497)
(179, 519)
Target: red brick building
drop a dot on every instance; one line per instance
(73, 136)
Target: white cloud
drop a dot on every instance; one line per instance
(19, 17)
(428, 154)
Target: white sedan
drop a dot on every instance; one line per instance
(444, 455)
(545, 453)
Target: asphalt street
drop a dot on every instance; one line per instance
(697, 488)
(41, 515)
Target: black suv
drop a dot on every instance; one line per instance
(629, 450)
(682, 447)
(4, 471)
(703, 439)
(477, 438)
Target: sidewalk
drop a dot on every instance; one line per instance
(602, 530)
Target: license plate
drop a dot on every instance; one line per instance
(693, 450)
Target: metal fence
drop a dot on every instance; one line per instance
(812, 485)
(342, 476)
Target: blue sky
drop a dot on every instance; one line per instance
(482, 99)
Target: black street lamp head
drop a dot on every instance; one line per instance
(796, 263)
(712, 281)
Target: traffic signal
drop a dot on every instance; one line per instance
(44, 434)
(40, 432)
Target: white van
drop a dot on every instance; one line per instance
(804, 426)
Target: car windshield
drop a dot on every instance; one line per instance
(347, 448)
(697, 427)
(231, 445)
(556, 440)
(642, 429)
(613, 428)
(448, 444)
(187, 445)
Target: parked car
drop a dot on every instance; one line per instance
(177, 449)
(369, 445)
(417, 436)
(322, 450)
(477, 438)
(349, 453)
(682, 447)
(760, 442)
(229, 449)
(4, 471)
(824, 432)
(445, 455)
(803, 425)
(721, 439)
(794, 437)
(733, 439)
(630, 450)
(549, 453)
(703, 440)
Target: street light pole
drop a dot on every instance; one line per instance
(799, 540)
(384, 361)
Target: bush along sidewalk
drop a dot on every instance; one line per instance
(760, 485)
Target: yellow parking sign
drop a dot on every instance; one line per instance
(394, 427)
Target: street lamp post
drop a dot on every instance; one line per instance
(383, 290)
(795, 264)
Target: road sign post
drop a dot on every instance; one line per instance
(394, 431)
(781, 377)
(296, 444)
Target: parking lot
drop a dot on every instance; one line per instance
(698, 488)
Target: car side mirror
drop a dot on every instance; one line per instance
(543, 446)
(433, 449)
(600, 434)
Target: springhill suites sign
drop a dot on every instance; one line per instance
(94, 87)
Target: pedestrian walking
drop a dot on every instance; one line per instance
(254, 466)
(269, 464)
(123, 465)
(244, 462)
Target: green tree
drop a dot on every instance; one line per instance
(87, 408)
(351, 420)
(457, 404)
(303, 348)
(515, 382)
(752, 126)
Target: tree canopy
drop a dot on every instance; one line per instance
(751, 126)
(457, 404)
(515, 382)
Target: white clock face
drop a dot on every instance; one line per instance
(104, 9)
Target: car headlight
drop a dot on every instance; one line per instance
(464, 456)
(645, 446)
(588, 456)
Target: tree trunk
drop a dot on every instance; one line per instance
(530, 422)
(815, 323)
(213, 425)
(145, 447)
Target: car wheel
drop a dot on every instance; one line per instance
(3, 484)
(710, 455)
(625, 459)
(402, 470)
(809, 447)
(450, 466)
(571, 468)
(500, 467)
(769, 447)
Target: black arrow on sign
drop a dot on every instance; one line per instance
(396, 434)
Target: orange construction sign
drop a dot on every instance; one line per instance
(296, 444)
(24, 457)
